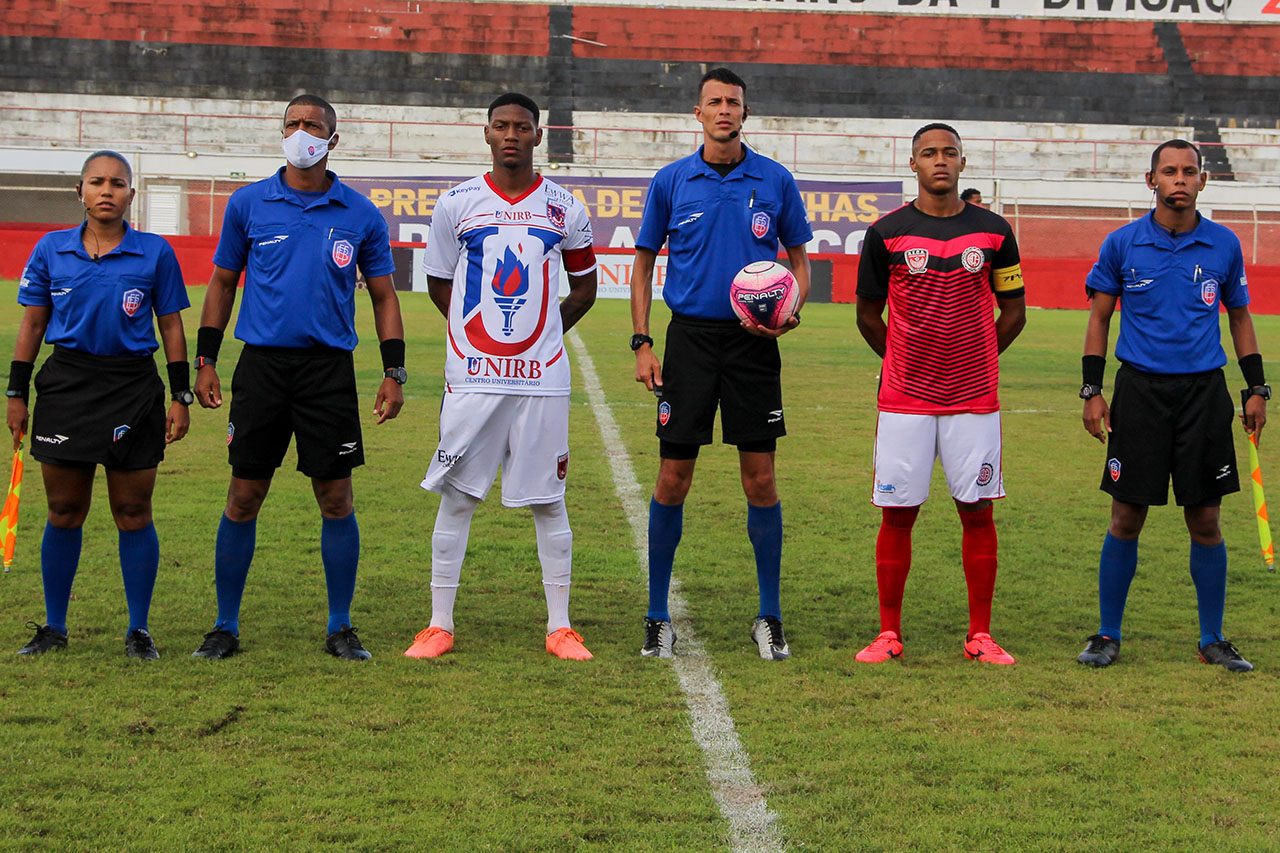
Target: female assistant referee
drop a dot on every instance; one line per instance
(90, 291)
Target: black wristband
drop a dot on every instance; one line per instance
(392, 350)
(179, 377)
(208, 342)
(20, 379)
(1092, 367)
(1251, 367)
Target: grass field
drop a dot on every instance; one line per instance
(502, 747)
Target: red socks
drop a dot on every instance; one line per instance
(978, 552)
(893, 563)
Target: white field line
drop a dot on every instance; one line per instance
(752, 825)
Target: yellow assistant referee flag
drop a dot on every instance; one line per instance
(1259, 504)
(9, 521)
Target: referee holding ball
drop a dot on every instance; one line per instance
(91, 292)
(299, 237)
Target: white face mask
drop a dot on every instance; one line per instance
(304, 150)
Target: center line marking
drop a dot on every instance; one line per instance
(752, 825)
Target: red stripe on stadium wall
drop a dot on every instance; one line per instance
(424, 26)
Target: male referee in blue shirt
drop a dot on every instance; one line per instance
(1171, 411)
(299, 237)
(717, 210)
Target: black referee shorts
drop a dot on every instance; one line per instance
(715, 363)
(1171, 424)
(279, 392)
(98, 409)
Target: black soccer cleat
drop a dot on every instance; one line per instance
(46, 639)
(343, 643)
(218, 644)
(772, 643)
(659, 639)
(1100, 651)
(138, 644)
(1225, 655)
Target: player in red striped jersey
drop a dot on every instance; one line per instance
(936, 263)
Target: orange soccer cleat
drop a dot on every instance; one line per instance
(982, 648)
(885, 647)
(430, 643)
(566, 644)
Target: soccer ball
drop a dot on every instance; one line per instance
(765, 294)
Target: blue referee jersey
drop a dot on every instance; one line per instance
(715, 226)
(300, 256)
(1170, 291)
(103, 307)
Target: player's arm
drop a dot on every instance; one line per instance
(582, 295)
(440, 290)
(798, 256)
(1011, 319)
(178, 420)
(871, 323)
(31, 329)
(648, 368)
(219, 299)
(873, 291)
(390, 328)
(1097, 415)
(1245, 341)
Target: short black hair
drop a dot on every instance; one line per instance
(1175, 143)
(330, 115)
(519, 100)
(935, 125)
(113, 155)
(722, 75)
(972, 192)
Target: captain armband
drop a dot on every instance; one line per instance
(1007, 279)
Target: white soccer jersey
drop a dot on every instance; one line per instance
(503, 255)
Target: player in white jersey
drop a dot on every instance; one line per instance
(493, 269)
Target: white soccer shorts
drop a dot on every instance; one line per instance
(906, 446)
(528, 436)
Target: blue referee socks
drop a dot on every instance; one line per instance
(1209, 572)
(764, 529)
(340, 551)
(59, 557)
(1116, 568)
(666, 525)
(232, 555)
(139, 563)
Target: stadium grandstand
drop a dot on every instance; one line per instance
(1060, 104)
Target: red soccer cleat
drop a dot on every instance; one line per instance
(431, 643)
(982, 648)
(566, 644)
(885, 647)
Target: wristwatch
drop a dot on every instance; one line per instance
(201, 361)
(638, 341)
(186, 398)
(1263, 391)
(12, 393)
(1088, 392)
(399, 374)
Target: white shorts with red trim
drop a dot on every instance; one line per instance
(527, 436)
(907, 445)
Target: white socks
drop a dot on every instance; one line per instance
(448, 547)
(555, 552)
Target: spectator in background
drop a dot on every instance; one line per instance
(972, 196)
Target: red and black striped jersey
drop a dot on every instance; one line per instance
(939, 275)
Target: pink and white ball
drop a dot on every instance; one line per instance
(765, 294)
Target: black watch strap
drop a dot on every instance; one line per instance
(639, 340)
(1263, 391)
(1088, 392)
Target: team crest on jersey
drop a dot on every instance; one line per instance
(555, 215)
(1113, 466)
(985, 473)
(760, 224)
(118, 432)
(1209, 291)
(343, 252)
(917, 260)
(973, 259)
(131, 301)
(664, 412)
(562, 465)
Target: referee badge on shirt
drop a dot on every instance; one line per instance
(343, 252)
(131, 301)
(917, 260)
(1209, 291)
(760, 224)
